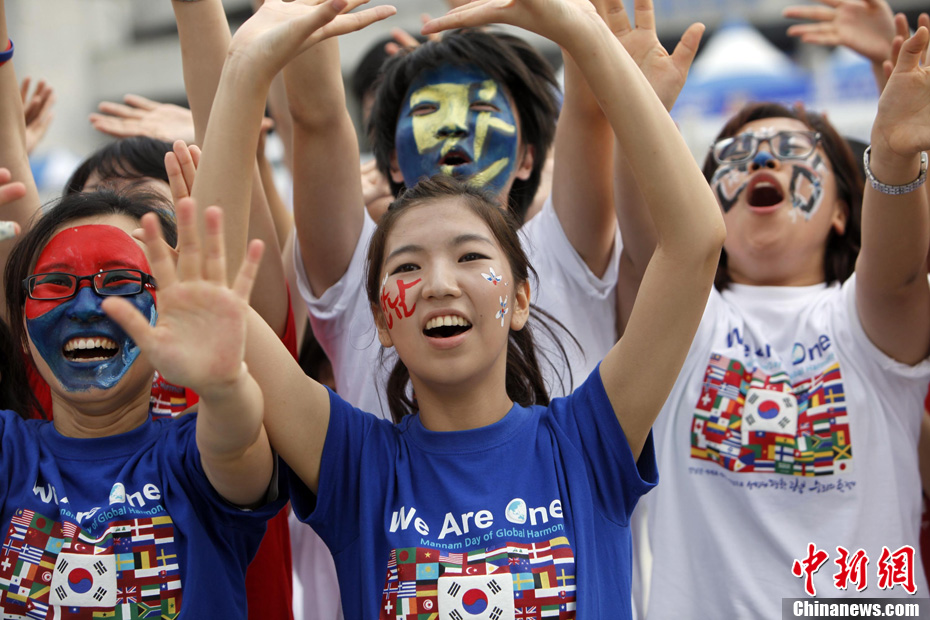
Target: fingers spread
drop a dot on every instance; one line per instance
(160, 259)
(188, 241)
(644, 14)
(687, 47)
(909, 58)
(138, 101)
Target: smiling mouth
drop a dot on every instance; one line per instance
(446, 326)
(764, 194)
(90, 349)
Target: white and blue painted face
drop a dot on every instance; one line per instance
(457, 120)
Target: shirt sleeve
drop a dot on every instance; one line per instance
(357, 456)
(588, 421)
(183, 458)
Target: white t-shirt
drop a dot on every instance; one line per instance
(787, 426)
(585, 304)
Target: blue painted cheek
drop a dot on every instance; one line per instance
(82, 316)
(413, 165)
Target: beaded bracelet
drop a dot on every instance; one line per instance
(894, 190)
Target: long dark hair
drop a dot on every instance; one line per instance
(842, 249)
(15, 394)
(524, 382)
(70, 208)
(527, 77)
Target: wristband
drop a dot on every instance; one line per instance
(894, 190)
(8, 54)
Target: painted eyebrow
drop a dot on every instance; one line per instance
(459, 240)
(63, 267)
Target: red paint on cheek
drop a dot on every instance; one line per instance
(398, 304)
(84, 250)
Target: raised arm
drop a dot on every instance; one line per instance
(640, 370)
(13, 155)
(892, 295)
(199, 342)
(864, 26)
(582, 193)
(328, 205)
(667, 74)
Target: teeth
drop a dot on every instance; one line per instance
(90, 343)
(446, 321)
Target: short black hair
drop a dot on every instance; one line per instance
(525, 75)
(137, 157)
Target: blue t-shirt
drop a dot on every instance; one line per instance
(126, 526)
(525, 518)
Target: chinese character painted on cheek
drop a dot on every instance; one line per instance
(398, 304)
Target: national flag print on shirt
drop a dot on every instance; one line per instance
(508, 581)
(129, 572)
(748, 421)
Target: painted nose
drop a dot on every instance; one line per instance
(86, 306)
(764, 159)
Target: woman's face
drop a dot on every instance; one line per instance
(76, 346)
(779, 206)
(448, 299)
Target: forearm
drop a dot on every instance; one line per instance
(328, 203)
(204, 35)
(234, 448)
(682, 207)
(13, 154)
(283, 220)
(895, 228)
(225, 174)
(581, 189)
(269, 295)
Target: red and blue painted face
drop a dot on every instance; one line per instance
(82, 346)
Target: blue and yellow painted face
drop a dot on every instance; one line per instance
(82, 346)
(457, 120)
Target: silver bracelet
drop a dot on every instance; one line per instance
(894, 190)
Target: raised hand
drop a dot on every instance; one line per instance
(864, 26)
(199, 338)
(9, 191)
(666, 72)
(902, 124)
(280, 30)
(181, 166)
(37, 109)
(138, 116)
(548, 18)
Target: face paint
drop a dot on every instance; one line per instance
(456, 120)
(398, 304)
(492, 277)
(807, 185)
(53, 324)
(503, 309)
(728, 183)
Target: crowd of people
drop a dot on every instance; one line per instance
(440, 383)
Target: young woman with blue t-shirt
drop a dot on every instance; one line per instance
(482, 501)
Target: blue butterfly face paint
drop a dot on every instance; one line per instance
(81, 345)
(457, 120)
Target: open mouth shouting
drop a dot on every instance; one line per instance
(87, 350)
(764, 193)
(455, 157)
(446, 326)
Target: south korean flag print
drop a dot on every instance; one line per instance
(476, 597)
(81, 580)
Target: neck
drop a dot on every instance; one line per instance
(478, 402)
(779, 273)
(99, 418)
